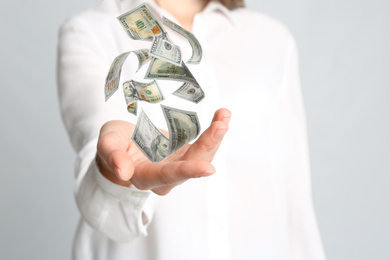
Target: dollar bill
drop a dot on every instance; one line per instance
(196, 47)
(149, 92)
(137, 91)
(143, 57)
(132, 108)
(190, 92)
(165, 50)
(149, 139)
(183, 126)
(140, 24)
(112, 79)
(160, 69)
(130, 92)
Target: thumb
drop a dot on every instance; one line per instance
(121, 164)
(112, 148)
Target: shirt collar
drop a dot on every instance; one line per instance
(213, 6)
(216, 6)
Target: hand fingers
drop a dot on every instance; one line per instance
(223, 115)
(162, 177)
(208, 143)
(113, 143)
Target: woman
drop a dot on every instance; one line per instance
(258, 204)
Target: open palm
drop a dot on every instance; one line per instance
(120, 160)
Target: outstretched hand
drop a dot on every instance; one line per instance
(120, 160)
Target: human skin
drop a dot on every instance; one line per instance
(120, 160)
(183, 10)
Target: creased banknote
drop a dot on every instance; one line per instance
(184, 126)
(196, 47)
(165, 50)
(190, 92)
(149, 139)
(140, 24)
(143, 57)
(160, 69)
(112, 79)
(149, 92)
(138, 91)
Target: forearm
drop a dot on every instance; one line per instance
(115, 210)
(120, 213)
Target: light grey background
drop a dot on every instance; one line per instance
(345, 71)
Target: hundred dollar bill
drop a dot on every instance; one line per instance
(196, 47)
(160, 69)
(149, 92)
(132, 108)
(190, 92)
(137, 91)
(112, 79)
(184, 126)
(166, 50)
(149, 139)
(143, 57)
(130, 92)
(140, 24)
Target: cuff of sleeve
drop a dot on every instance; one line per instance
(134, 203)
(137, 197)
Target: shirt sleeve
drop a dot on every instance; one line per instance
(121, 213)
(303, 234)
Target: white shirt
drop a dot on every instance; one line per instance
(258, 205)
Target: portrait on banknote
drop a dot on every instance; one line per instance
(159, 148)
(129, 92)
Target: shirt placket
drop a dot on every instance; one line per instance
(217, 226)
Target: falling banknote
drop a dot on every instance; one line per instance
(196, 47)
(140, 24)
(138, 91)
(143, 56)
(149, 139)
(183, 127)
(113, 77)
(149, 92)
(160, 69)
(165, 50)
(166, 63)
(190, 92)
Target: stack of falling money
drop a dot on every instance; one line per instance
(165, 63)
